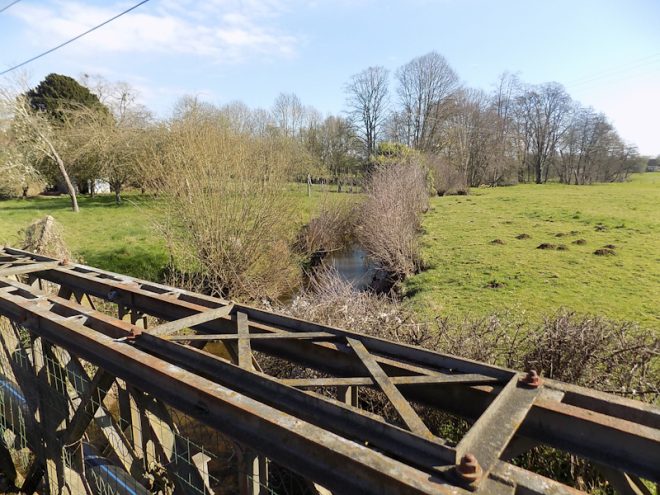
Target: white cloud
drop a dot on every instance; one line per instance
(224, 30)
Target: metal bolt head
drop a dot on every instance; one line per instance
(532, 379)
(469, 470)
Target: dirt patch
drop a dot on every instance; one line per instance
(494, 284)
(600, 228)
(523, 236)
(609, 246)
(580, 242)
(562, 247)
(546, 245)
(560, 234)
(499, 242)
(574, 232)
(604, 252)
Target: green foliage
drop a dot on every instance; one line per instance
(58, 94)
(394, 151)
(456, 245)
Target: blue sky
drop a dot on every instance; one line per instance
(606, 52)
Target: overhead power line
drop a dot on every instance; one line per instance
(9, 5)
(73, 39)
(615, 71)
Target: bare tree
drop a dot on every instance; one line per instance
(367, 101)
(471, 139)
(592, 151)
(225, 213)
(34, 136)
(506, 152)
(16, 171)
(288, 112)
(426, 85)
(543, 112)
(106, 145)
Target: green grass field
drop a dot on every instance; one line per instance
(470, 275)
(467, 274)
(119, 238)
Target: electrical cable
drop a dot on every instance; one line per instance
(73, 39)
(614, 77)
(613, 71)
(9, 5)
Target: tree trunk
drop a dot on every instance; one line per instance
(69, 185)
(60, 164)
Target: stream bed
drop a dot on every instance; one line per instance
(353, 266)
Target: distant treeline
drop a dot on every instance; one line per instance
(93, 130)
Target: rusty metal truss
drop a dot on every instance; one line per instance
(201, 356)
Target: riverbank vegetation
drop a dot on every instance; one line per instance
(587, 350)
(229, 204)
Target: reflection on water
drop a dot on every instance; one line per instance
(353, 266)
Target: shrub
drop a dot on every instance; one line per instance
(330, 230)
(447, 179)
(225, 208)
(390, 218)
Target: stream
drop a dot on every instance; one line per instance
(353, 266)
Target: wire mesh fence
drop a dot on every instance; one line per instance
(69, 428)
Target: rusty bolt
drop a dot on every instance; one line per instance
(531, 379)
(469, 470)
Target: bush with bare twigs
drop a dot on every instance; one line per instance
(447, 179)
(329, 230)
(390, 218)
(606, 355)
(225, 208)
(595, 352)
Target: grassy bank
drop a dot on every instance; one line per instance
(477, 265)
(467, 274)
(117, 238)
(120, 238)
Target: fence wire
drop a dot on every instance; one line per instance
(131, 444)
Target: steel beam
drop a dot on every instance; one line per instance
(619, 433)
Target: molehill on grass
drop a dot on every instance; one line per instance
(494, 284)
